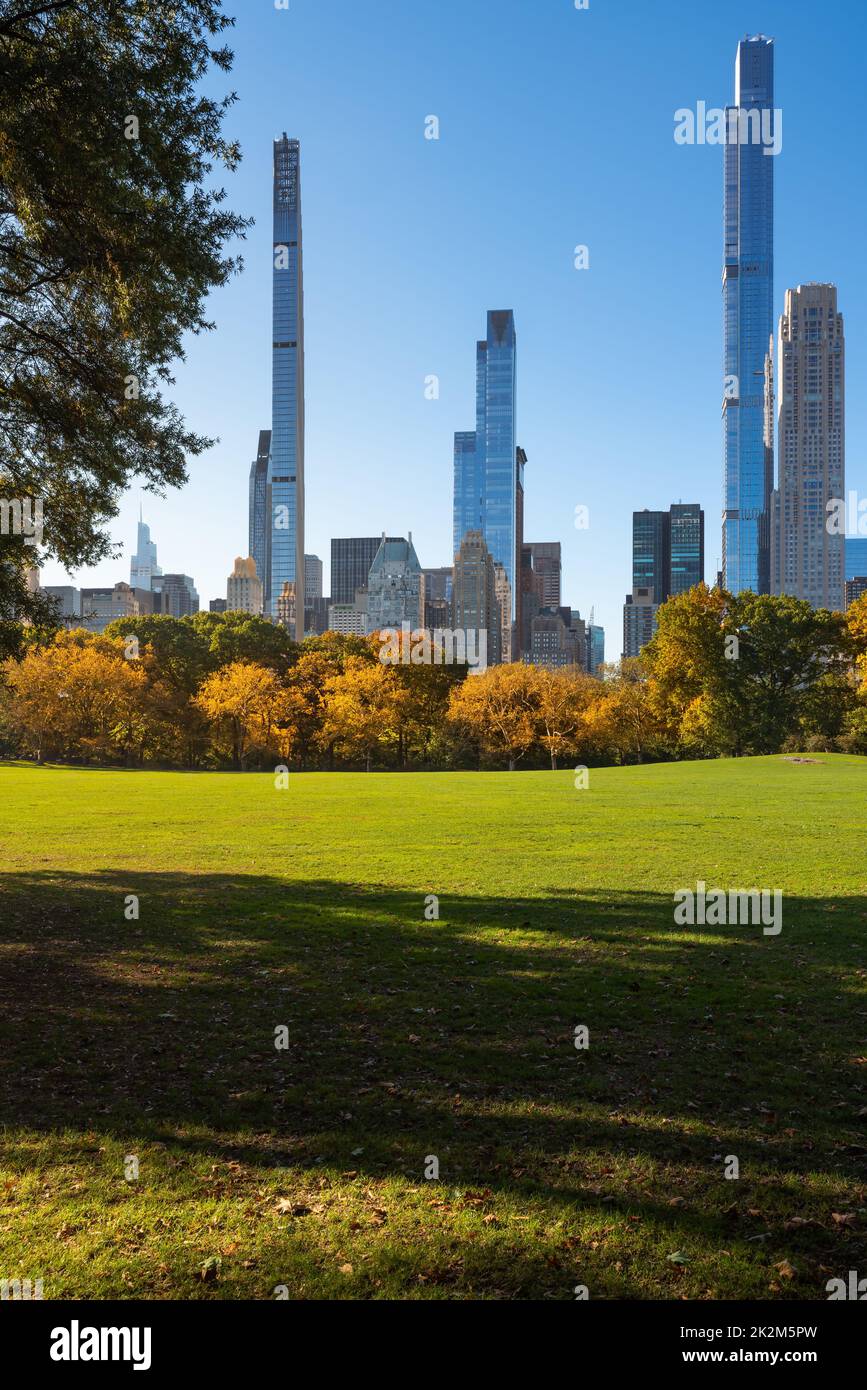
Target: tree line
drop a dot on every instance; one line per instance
(724, 675)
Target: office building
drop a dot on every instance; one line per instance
(218, 605)
(686, 547)
(351, 558)
(853, 589)
(286, 466)
(175, 595)
(809, 550)
(595, 646)
(287, 608)
(748, 306)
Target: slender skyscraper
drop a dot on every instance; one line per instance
(260, 511)
(286, 466)
(488, 465)
(808, 547)
(143, 564)
(748, 299)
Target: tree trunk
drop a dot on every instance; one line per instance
(367, 767)
(511, 764)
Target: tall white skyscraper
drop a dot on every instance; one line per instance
(143, 565)
(808, 540)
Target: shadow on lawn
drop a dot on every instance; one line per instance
(409, 1037)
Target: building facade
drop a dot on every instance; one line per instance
(686, 540)
(809, 550)
(244, 592)
(639, 620)
(855, 552)
(394, 587)
(260, 512)
(286, 466)
(99, 607)
(475, 610)
(175, 595)
(351, 558)
(748, 306)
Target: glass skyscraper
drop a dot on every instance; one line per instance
(651, 553)
(286, 466)
(487, 461)
(748, 294)
(687, 547)
(260, 511)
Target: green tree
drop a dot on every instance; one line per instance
(112, 234)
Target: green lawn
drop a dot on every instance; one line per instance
(408, 1037)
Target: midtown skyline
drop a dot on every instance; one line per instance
(608, 439)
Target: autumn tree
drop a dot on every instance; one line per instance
(245, 701)
(77, 697)
(364, 707)
(498, 710)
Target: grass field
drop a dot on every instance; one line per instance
(410, 1038)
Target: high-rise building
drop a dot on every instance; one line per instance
(218, 605)
(686, 537)
(488, 465)
(639, 620)
(475, 610)
(855, 588)
(143, 565)
(244, 588)
(748, 303)
(260, 514)
(437, 596)
(286, 467)
(177, 595)
(312, 579)
(651, 553)
(809, 551)
(856, 556)
(668, 550)
(595, 647)
(546, 559)
(394, 587)
(351, 558)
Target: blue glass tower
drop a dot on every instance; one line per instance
(486, 460)
(260, 513)
(286, 466)
(748, 300)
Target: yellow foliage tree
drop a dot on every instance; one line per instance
(77, 697)
(364, 707)
(245, 702)
(499, 710)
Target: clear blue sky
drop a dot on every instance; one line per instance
(556, 129)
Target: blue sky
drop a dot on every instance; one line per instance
(556, 129)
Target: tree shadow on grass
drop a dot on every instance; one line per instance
(453, 1037)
